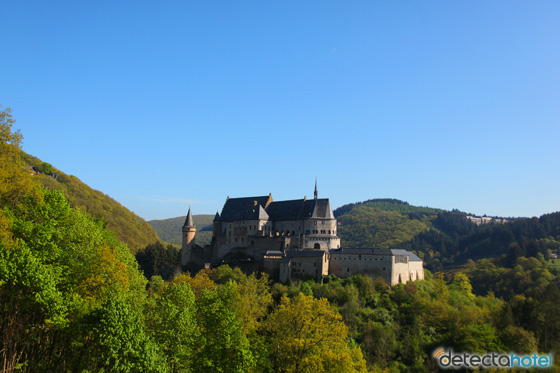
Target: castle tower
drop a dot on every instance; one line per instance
(189, 231)
(216, 225)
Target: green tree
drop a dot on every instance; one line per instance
(7, 136)
(253, 299)
(45, 168)
(172, 322)
(223, 346)
(308, 335)
(15, 181)
(463, 285)
(117, 341)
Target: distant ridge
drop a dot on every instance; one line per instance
(169, 230)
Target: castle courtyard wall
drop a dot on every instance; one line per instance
(302, 266)
(347, 265)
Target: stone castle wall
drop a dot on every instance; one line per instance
(347, 265)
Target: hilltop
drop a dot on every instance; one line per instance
(382, 223)
(127, 226)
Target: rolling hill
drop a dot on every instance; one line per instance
(382, 223)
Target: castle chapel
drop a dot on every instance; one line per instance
(277, 236)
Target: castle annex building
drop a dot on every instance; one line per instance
(295, 238)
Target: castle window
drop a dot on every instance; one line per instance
(347, 269)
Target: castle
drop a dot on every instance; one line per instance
(296, 238)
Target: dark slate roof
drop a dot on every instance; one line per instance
(300, 209)
(411, 256)
(217, 217)
(303, 254)
(253, 208)
(288, 210)
(362, 251)
(322, 209)
(242, 208)
(189, 220)
(259, 213)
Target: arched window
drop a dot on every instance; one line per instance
(317, 246)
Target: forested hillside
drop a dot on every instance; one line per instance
(169, 230)
(452, 240)
(445, 239)
(128, 227)
(382, 223)
(72, 299)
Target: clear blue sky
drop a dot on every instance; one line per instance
(162, 105)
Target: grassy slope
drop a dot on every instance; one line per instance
(127, 226)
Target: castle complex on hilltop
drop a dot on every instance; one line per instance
(289, 239)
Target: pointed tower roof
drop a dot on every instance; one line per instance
(316, 194)
(217, 217)
(189, 221)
